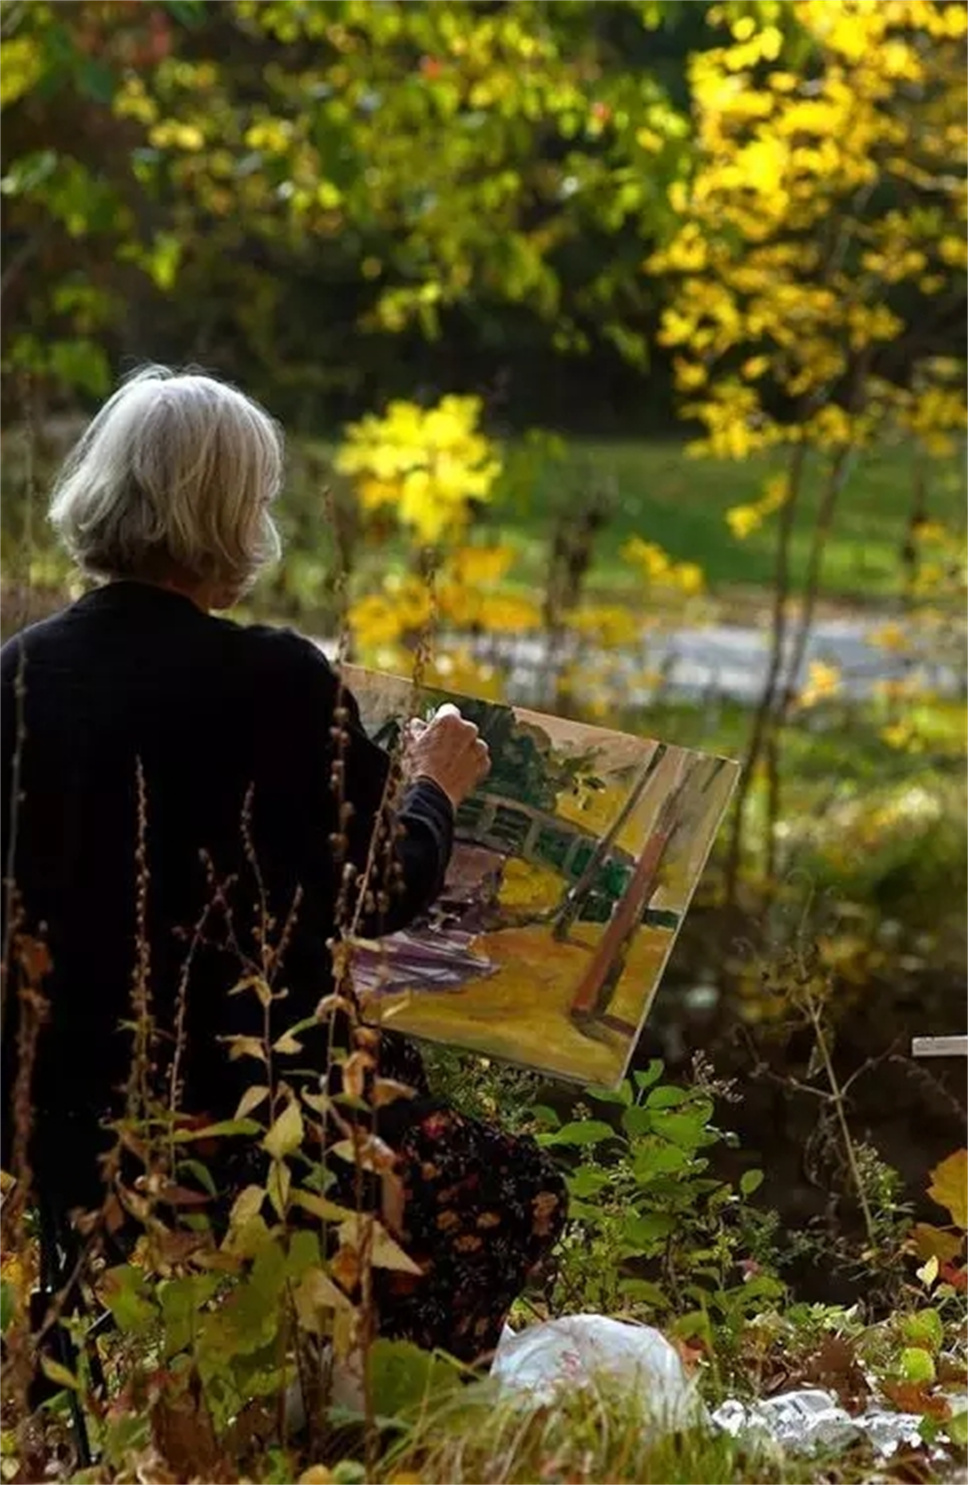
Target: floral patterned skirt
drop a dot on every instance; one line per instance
(481, 1211)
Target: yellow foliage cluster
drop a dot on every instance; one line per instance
(781, 248)
(743, 520)
(823, 682)
(659, 570)
(426, 464)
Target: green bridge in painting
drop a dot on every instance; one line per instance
(514, 828)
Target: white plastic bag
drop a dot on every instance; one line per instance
(579, 1349)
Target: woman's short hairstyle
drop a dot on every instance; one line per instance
(173, 479)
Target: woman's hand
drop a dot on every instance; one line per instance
(448, 750)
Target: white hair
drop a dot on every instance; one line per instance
(173, 478)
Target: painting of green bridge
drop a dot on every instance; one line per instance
(573, 867)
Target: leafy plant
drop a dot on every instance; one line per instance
(653, 1233)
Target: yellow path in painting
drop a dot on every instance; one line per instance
(521, 1012)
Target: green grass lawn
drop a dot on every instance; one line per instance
(681, 502)
(663, 495)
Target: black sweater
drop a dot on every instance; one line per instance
(215, 713)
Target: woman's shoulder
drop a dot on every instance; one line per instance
(279, 653)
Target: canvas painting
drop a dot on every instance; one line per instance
(574, 865)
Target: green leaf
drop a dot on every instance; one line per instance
(645, 1231)
(586, 1181)
(349, 1472)
(201, 1173)
(622, 1095)
(8, 1304)
(304, 1252)
(125, 1292)
(81, 365)
(916, 1365)
(688, 1131)
(215, 1131)
(924, 1329)
(666, 1097)
(650, 1074)
(545, 1115)
(58, 1373)
(96, 80)
(645, 1292)
(750, 1181)
(657, 1159)
(404, 1379)
(636, 1121)
(580, 1132)
(957, 1428)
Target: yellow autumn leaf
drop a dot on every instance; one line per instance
(361, 1231)
(949, 1188)
(315, 1298)
(823, 681)
(317, 1474)
(320, 1206)
(278, 1185)
(251, 1099)
(247, 1205)
(474, 565)
(287, 1044)
(928, 1272)
(286, 1133)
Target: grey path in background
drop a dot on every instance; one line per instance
(722, 660)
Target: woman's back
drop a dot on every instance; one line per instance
(135, 702)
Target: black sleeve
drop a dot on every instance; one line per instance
(407, 877)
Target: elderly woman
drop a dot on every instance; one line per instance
(170, 818)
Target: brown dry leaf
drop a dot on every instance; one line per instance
(181, 1196)
(34, 957)
(173, 1246)
(911, 1397)
(355, 1069)
(690, 1353)
(330, 1004)
(835, 1366)
(258, 984)
(934, 1242)
(345, 1268)
(386, 1090)
(244, 1046)
(949, 1187)
(911, 1464)
(185, 1438)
